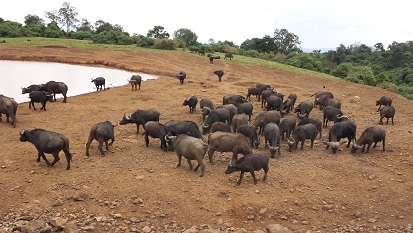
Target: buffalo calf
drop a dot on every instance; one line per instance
(250, 163)
(101, 132)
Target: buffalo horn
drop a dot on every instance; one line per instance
(283, 111)
(332, 144)
(290, 142)
(21, 132)
(302, 115)
(342, 116)
(205, 126)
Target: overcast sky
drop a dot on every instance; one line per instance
(318, 23)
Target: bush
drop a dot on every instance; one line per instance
(81, 35)
(353, 79)
(112, 37)
(388, 86)
(252, 53)
(165, 44)
(363, 73)
(146, 42)
(341, 70)
(51, 33)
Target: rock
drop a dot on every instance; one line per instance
(36, 225)
(372, 220)
(58, 222)
(357, 214)
(277, 228)
(146, 229)
(193, 229)
(58, 202)
(355, 99)
(137, 201)
(263, 210)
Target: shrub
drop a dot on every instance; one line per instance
(81, 35)
(388, 86)
(252, 53)
(146, 42)
(165, 44)
(341, 70)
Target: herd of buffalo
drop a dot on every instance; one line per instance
(229, 127)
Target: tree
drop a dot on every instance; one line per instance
(379, 47)
(286, 42)
(158, 32)
(102, 26)
(33, 20)
(189, 37)
(66, 16)
(85, 26)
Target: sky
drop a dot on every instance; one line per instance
(318, 23)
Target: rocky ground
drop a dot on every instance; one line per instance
(139, 189)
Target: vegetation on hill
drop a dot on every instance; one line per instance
(389, 68)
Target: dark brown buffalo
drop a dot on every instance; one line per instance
(228, 142)
(101, 132)
(250, 163)
(135, 81)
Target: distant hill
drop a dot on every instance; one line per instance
(323, 50)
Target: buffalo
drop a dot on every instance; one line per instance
(99, 83)
(303, 109)
(233, 99)
(217, 115)
(238, 120)
(228, 55)
(140, 117)
(220, 126)
(191, 148)
(177, 127)
(371, 134)
(249, 163)
(34, 87)
(181, 76)
(246, 108)
(273, 102)
(101, 132)
(250, 132)
(331, 113)
(300, 134)
(344, 129)
(40, 97)
(317, 122)
(272, 136)
(191, 103)
(264, 95)
(135, 81)
(384, 100)
(255, 91)
(8, 106)
(155, 130)
(56, 88)
(206, 102)
(47, 142)
(287, 126)
(320, 94)
(325, 101)
(219, 73)
(263, 118)
(228, 142)
(231, 108)
(387, 112)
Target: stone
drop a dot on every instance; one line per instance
(58, 222)
(277, 228)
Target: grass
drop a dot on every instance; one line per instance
(88, 44)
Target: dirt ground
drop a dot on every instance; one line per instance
(310, 189)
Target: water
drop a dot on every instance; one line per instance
(16, 74)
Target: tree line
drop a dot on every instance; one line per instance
(387, 67)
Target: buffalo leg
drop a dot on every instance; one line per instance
(107, 145)
(56, 158)
(384, 143)
(253, 175)
(146, 140)
(240, 177)
(100, 147)
(302, 144)
(200, 163)
(179, 160)
(68, 157)
(265, 172)
(368, 147)
(89, 141)
(210, 153)
(111, 143)
(312, 142)
(189, 164)
(44, 158)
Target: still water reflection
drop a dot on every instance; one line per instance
(15, 74)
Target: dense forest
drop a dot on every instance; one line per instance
(389, 67)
